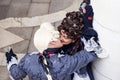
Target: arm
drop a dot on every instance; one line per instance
(16, 70)
(88, 16)
(68, 64)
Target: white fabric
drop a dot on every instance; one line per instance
(13, 61)
(77, 77)
(33, 53)
(91, 45)
(11, 77)
(44, 35)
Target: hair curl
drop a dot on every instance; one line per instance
(72, 24)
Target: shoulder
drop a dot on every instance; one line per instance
(28, 59)
(29, 56)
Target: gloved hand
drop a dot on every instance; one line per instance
(83, 5)
(10, 57)
(88, 16)
(91, 45)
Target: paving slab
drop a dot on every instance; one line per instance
(40, 1)
(4, 75)
(3, 11)
(5, 2)
(57, 5)
(37, 9)
(1, 58)
(23, 32)
(7, 38)
(21, 47)
(20, 1)
(31, 45)
(18, 10)
(56, 24)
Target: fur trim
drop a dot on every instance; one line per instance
(13, 61)
(103, 54)
(91, 45)
(34, 53)
(77, 77)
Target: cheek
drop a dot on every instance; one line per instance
(51, 45)
(65, 42)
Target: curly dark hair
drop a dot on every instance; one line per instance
(72, 24)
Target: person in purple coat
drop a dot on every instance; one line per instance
(57, 59)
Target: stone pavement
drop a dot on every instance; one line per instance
(21, 38)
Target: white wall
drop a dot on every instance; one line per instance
(107, 24)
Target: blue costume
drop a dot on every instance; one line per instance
(61, 66)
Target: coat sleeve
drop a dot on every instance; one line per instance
(88, 16)
(17, 70)
(68, 64)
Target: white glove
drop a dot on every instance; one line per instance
(91, 45)
(10, 57)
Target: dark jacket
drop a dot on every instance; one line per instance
(88, 16)
(88, 32)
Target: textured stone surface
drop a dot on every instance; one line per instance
(3, 11)
(40, 1)
(57, 5)
(4, 75)
(20, 1)
(23, 32)
(56, 24)
(37, 9)
(31, 45)
(7, 38)
(18, 10)
(5, 2)
(21, 47)
(1, 58)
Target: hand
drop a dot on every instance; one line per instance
(82, 7)
(91, 45)
(84, 10)
(10, 57)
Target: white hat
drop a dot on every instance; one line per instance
(45, 34)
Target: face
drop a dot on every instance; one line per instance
(55, 44)
(64, 38)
